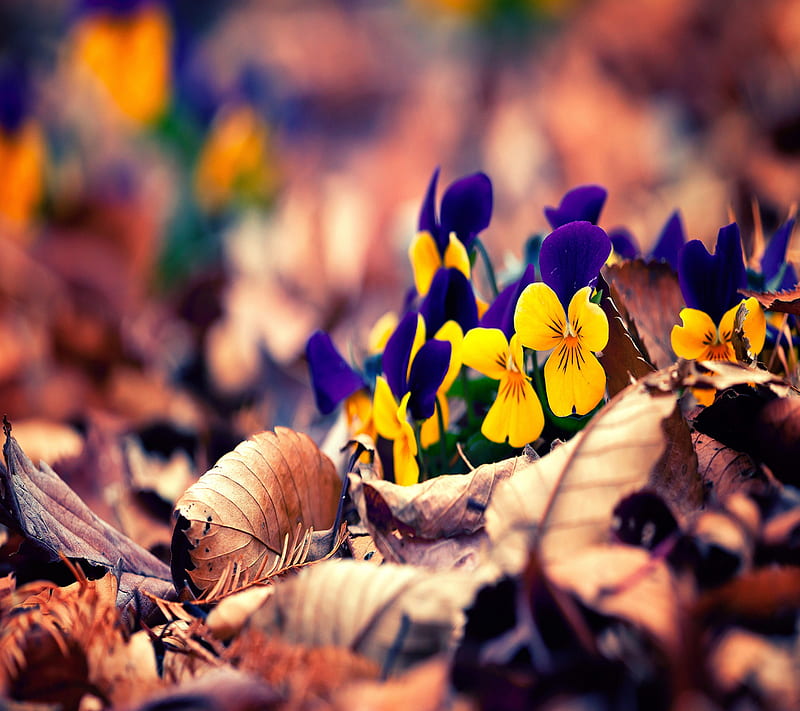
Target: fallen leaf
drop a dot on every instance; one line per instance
(635, 287)
(563, 501)
(785, 302)
(626, 582)
(742, 661)
(723, 470)
(443, 506)
(239, 515)
(623, 360)
(38, 503)
(425, 687)
(394, 615)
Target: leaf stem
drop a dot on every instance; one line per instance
(488, 264)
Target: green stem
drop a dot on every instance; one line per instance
(442, 443)
(417, 427)
(488, 264)
(472, 420)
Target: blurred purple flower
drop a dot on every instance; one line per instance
(501, 313)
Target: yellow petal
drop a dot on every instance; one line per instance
(429, 433)
(419, 341)
(516, 413)
(755, 324)
(380, 332)
(456, 255)
(452, 333)
(22, 163)
(384, 410)
(358, 410)
(573, 378)
(693, 338)
(539, 319)
(588, 320)
(404, 449)
(486, 350)
(483, 306)
(425, 260)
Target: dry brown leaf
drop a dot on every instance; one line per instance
(426, 687)
(623, 360)
(563, 501)
(38, 503)
(744, 660)
(73, 636)
(444, 506)
(626, 582)
(394, 615)
(233, 611)
(723, 470)
(785, 302)
(238, 515)
(635, 288)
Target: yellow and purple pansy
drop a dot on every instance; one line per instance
(710, 285)
(557, 315)
(334, 381)
(413, 371)
(446, 240)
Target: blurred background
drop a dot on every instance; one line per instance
(189, 188)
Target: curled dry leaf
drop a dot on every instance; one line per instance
(563, 501)
(635, 286)
(444, 506)
(785, 302)
(723, 470)
(623, 360)
(38, 503)
(238, 515)
(394, 615)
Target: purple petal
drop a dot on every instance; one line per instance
(670, 241)
(583, 203)
(397, 353)
(332, 379)
(788, 280)
(427, 373)
(708, 282)
(427, 215)
(15, 95)
(571, 258)
(449, 298)
(775, 253)
(624, 243)
(467, 208)
(501, 313)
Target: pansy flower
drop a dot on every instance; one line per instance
(22, 148)
(334, 381)
(446, 240)
(413, 372)
(558, 314)
(710, 286)
(450, 298)
(581, 204)
(516, 414)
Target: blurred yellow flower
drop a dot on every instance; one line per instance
(235, 161)
(22, 164)
(129, 54)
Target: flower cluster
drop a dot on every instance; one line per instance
(456, 373)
